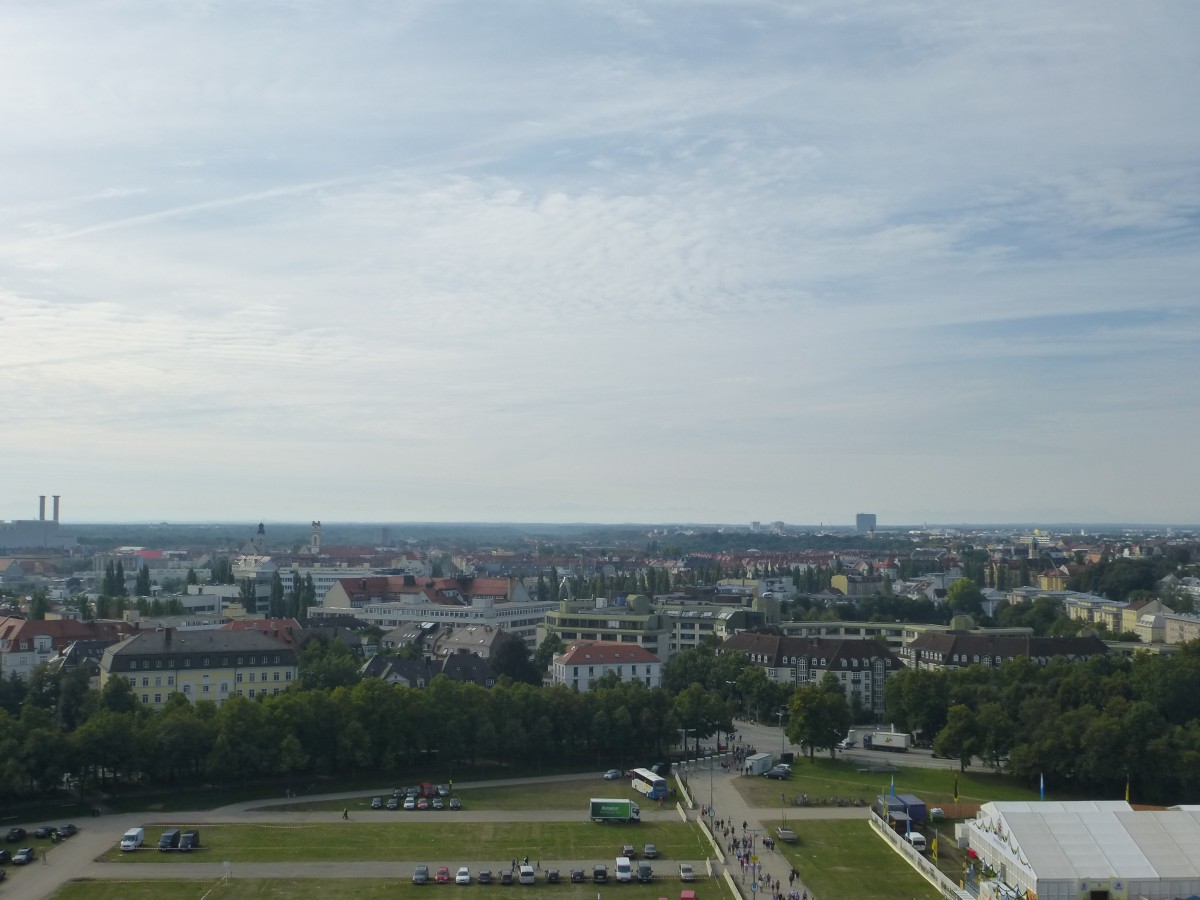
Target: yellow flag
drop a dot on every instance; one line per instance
(933, 849)
(1126, 788)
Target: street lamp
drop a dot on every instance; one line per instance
(781, 733)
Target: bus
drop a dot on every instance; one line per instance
(646, 782)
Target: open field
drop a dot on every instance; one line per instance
(548, 795)
(830, 778)
(363, 889)
(846, 859)
(426, 842)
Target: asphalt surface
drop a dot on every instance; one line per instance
(76, 857)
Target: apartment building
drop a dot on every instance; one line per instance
(584, 662)
(202, 665)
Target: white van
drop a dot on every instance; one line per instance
(917, 840)
(624, 869)
(133, 838)
(525, 874)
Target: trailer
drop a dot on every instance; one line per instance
(895, 741)
(759, 763)
(614, 809)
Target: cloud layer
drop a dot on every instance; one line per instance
(538, 261)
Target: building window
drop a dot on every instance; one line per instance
(276, 659)
(251, 693)
(250, 661)
(251, 677)
(170, 681)
(187, 663)
(145, 663)
(145, 698)
(158, 681)
(287, 676)
(158, 664)
(275, 692)
(145, 681)
(187, 688)
(204, 689)
(239, 677)
(276, 676)
(224, 687)
(158, 698)
(239, 662)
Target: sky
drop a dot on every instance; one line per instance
(536, 261)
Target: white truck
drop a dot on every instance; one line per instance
(895, 741)
(759, 763)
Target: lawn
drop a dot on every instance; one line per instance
(847, 859)
(361, 888)
(547, 795)
(427, 842)
(826, 778)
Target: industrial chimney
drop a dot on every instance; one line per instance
(42, 508)
(56, 496)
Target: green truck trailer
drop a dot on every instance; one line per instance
(615, 810)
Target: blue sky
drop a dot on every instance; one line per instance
(600, 261)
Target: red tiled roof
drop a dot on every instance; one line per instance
(602, 652)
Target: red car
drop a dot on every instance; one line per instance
(442, 876)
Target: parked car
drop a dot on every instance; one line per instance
(936, 813)
(190, 840)
(410, 803)
(600, 874)
(16, 834)
(686, 872)
(628, 850)
(67, 830)
(421, 875)
(485, 876)
(650, 851)
(442, 876)
(612, 774)
(455, 803)
(645, 874)
(24, 855)
(577, 876)
(422, 803)
(552, 876)
(506, 876)
(438, 803)
(463, 876)
(43, 832)
(5, 857)
(393, 803)
(778, 774)
(376, 803)
(443, 790)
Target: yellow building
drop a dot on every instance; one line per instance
(206, 664)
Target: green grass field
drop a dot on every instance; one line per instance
(427, 842)
(843, 859)
(362, 889)
(830, 778)
(551, 795)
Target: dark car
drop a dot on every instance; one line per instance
(455, 803)
(421, 875)
(44, 832)
(780, 774)
(24, 855)
(16, 834)
(650, 851)
(577, 876)
(5, 857)
(645, 874)
(484, 876)
(376, 803)
(600, 874)
(506, 876)
(393, 803)
(552, 876)
(628, 850)
(67, 830)
(190, 840)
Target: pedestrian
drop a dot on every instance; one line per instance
(539, 865)
(345, 812)
(45, 858)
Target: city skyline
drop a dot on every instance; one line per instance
(620, 262)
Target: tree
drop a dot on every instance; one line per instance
(119, 580)
(960, 738)
(276, 607)
(550, 646)
(964, 598)
(819, 715)
(510, 657)
(191, 576)
(142, 588)
(248, 596)
(39, 605)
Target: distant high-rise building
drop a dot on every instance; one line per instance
(864, 523)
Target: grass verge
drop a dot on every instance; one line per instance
(427, 842)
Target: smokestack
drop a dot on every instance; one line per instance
(56, 507)
(42, 508)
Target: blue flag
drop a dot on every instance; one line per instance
(1041, 786)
